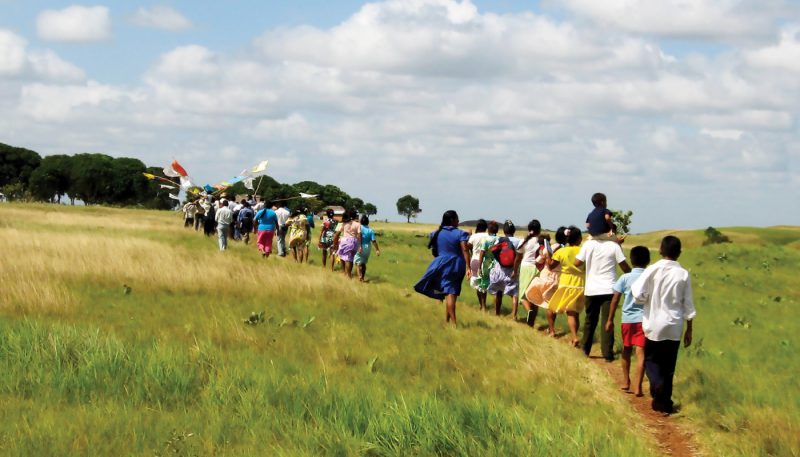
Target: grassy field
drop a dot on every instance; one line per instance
(337, 368)
(342, 368)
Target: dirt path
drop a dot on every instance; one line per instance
(671, 439)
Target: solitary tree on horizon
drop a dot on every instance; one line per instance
(408, 206)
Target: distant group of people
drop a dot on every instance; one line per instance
(347, 239)
(566, 274)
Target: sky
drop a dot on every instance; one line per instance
(684, 112)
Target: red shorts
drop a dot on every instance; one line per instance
(632, 335)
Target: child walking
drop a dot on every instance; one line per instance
(525, 267)
(474, 246)
(542, 288)
(486, 260)
(632, 313)
(569, 295)
(501, 277)
(367, 241)
(665, 288)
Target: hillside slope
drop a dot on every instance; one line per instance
(337, 368)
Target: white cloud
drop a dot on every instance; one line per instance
(294, 126)
(75, 24)
(46, 102)
(784, 56)
(161, 17)
(683, 18)
(50, 66)
(723, 134)
(12, 53)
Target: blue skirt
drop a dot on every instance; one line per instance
(443, 277)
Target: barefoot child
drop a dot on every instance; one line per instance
(632, 334)
(666, 291)
(474, 246)
(569, 297)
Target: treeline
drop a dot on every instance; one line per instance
(102, 179)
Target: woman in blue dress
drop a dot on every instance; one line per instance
(442, 280)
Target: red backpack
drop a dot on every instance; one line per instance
(504, 252)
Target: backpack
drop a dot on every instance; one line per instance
(504, 252)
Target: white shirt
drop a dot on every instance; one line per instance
(601, 259)
(665, 288)
(529, 252)
(475, 240)
(283, 216)
(224, 216)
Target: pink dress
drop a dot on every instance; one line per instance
(542, 288)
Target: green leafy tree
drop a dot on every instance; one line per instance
(128, 185)
(408, 206)
(91, 178)
(370, 209)
(51, 180)
(15, 191)
(17, 165)
(355, 203)
(622, 219)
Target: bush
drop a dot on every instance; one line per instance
(714, 236)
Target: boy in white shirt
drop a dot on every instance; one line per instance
(665, 288)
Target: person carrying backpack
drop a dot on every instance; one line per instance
(503, 252)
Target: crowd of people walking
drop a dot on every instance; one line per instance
(348, 240)
(570, 274)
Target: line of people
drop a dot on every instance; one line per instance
(349, 242)
(567, 275)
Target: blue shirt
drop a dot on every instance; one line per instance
(449, 242)
(597, 221)
(267, 219)
(367, 236)
(632, 313)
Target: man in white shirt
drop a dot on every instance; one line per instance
(601, 258)
(283, 216)
(665, 288)
(224, 217)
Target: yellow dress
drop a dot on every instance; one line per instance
(569, 295)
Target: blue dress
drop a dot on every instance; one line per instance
(446, 272)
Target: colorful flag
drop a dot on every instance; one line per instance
(179, 169)
(208, 188)
(149, 176)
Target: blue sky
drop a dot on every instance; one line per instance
(684, 113)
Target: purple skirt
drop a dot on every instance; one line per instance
(347, 249)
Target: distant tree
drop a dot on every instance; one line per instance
(51, 180)
(714, 236)
(17, 165)
(355, 203)
(408, 206)
(370, 209)
(622, 219)
(91, 178)
(15, 191)
(128, 185)
(332, 195)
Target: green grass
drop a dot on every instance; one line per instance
(172, 369)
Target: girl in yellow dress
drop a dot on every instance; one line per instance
(569, 295)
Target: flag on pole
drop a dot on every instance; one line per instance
(186, 183)
(149, 176)
(260, 167)
(248, 183)
(304, 195)
(164, 186)
(175, 197)
(179, 169)
(208, 188)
